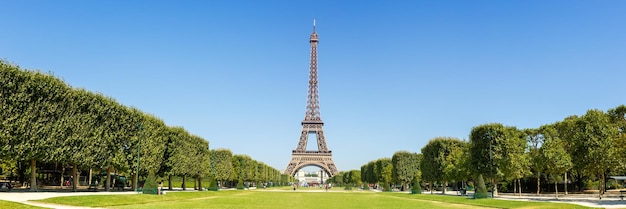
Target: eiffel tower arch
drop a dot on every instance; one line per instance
(312, 123)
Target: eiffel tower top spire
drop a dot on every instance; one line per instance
(312, 114)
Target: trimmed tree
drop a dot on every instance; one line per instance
(556, 158)
(481, 190)
(405, 165)
(417, 188)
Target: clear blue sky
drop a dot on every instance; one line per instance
(392, 74)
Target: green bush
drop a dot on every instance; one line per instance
(213, 185)
(150, 187)
(386, 187)
(240, 184)
(348, 187)
(590, 185)
(416, 188)
(481, 190)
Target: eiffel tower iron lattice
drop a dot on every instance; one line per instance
(312, 123)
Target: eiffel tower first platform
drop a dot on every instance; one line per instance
(312, 123)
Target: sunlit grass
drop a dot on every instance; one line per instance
(15, 205)
(113, 200)
(285, 197)
(487, 202)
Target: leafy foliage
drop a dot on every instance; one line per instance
(46, 121)
(405, 165)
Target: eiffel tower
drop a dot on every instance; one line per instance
(312, 123)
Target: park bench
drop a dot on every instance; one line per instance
(621, 192)
(6, 186)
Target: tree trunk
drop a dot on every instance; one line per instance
(495, 188)
(200, 184)
(519, 181)
(579, 180)
(75, 177)
(431, 187)
(538, 183)
(33, 175)
(62, 176)
(601, 186)
(134, 181)
(556, 188)
(183, 184)
(445, 186)
(169, 182)
(89, 184)
(515, 186)
(565, 182)
(107, 186)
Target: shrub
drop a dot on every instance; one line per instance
(386, 187)
(416, 188)
(213, 185)
(240, 184)
(150, 186)
(481, 190)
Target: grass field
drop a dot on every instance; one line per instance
(295, 199)
(14, 205)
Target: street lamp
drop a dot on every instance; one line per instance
(140, 127)
(493, 182)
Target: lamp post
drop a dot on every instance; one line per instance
(493, 182)
(138, 156)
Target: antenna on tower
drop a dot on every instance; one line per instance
(313, 24)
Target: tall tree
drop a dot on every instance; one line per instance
(383, 172)
(31, 102)
(596, 140)
(405, 165)
(618, 118)
(567, 130)
(537, 163)
(515, 158)
(222, 164)
(488, 151)
(180, 159)
(443, 160)
(556, 157)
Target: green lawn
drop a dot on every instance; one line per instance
(14, 205)
(294, 199)
(485, 202)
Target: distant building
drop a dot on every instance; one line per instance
(311, 178)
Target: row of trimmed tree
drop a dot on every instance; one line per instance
(43, 120)
(233, 170)
(586, 148)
